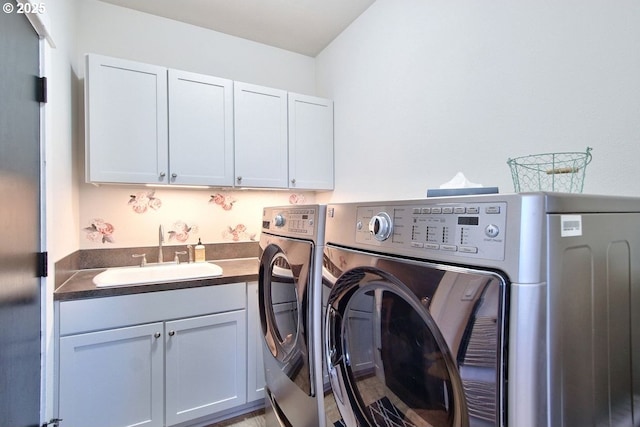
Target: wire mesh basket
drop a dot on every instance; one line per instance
(562, 172)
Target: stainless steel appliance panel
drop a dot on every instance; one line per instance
(570, 266)
(593, 288)
(289, 302)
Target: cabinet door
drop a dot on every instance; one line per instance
(112, 378)
(200, 129)
(310, 142)
(255, 342)
(205, 365)
(126, 121)
(260, 115)
(361, 324)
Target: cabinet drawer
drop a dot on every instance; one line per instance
(111, 312)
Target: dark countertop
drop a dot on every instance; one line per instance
(80, 284)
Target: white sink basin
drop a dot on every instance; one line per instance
(158, 273)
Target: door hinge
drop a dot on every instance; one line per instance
(41, 89)
(43, 262)
(55, 422)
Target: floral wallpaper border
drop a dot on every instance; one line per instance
(144, 202)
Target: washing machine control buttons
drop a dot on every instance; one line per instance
(295, 221)
(279, 220)
(381, 226)
(492, 230)
(473, 229)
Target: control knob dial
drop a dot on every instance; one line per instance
(381, 226)
(279, 220)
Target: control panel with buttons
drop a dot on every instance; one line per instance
(296, 221)
(462, 229)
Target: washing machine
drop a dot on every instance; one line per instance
(518, 310)
(289, 293)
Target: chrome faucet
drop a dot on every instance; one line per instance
(143, 259)
(160, 242)
(177, 257)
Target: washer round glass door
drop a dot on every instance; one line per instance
(284, 306)
(388, 363)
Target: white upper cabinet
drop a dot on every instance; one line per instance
(147, 124)
(200, 129)
(126, 121)
(260, 115)
(310, 142)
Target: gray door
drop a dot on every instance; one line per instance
(19, 223)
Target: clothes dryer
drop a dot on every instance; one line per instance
(518, 310)
(291, 246)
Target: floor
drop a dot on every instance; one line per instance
(252, 419)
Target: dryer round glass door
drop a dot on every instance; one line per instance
(283, 294)
(401, 343)
(284, 309)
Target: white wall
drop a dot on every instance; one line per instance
(61, 181)
(80, 26)
(124, 33)
(424, 89)
(129, 34)
(85, 26)
(63, 120)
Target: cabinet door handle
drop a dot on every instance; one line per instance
(293, 181)
(172, 333)
(174, 175)
(239, 179)
(162, 174)
(157, 335)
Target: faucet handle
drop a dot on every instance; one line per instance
(143, 261)
(177, 258)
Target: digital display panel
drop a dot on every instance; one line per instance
(468, 220)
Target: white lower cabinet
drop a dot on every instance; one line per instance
(255, 340)
(154, 359)
(112, 378)
(204, 373)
